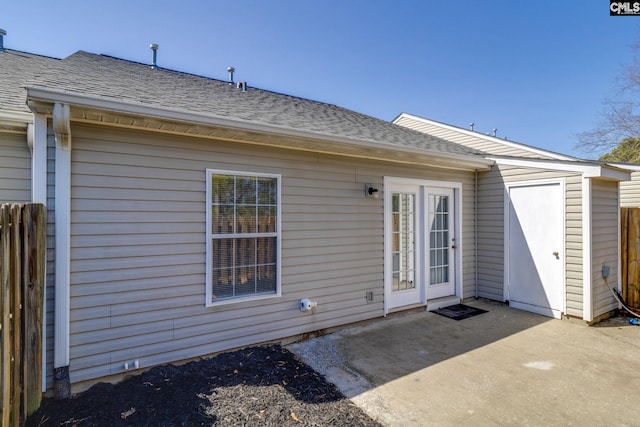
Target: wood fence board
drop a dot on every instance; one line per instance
(15, 293)
(22, 275)
(4, 296)
(34, 245)
(630, 255)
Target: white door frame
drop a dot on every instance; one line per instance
(507, 237)
(388, 184)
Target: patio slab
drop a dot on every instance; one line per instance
(503, 367)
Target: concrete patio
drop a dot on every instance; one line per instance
(504, 367)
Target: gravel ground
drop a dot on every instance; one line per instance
(257, 386)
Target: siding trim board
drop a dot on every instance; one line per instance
(63, 164)
(587, 302)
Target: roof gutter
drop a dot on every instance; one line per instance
(37, 95)
(15, 118)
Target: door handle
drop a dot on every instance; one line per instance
(453, 246)
(555, 254)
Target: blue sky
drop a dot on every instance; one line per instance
(535, 70)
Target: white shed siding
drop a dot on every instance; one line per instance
(478, 142)
(15, 168)
(138, 247)
(604, 243)
(491, 228)
(630, 192)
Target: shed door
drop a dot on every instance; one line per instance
(535, 247)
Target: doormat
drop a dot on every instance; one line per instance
(459, 311)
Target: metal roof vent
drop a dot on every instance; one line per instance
(154, 47)
(471, 125)
(231, 70)
(495, 131)
(2, 34)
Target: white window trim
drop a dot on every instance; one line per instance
(209, 237)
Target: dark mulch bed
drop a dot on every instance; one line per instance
(258, 386)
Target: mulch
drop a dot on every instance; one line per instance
(257, 386)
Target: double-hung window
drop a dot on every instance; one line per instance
(243, 236)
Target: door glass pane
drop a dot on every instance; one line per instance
(403, 216)
(439, 239)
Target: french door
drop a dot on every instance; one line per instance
(420, 242)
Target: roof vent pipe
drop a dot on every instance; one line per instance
(154, 47)
(495, 131)
(231, 70)
(471, 125)
(2, 34)
(242, 86)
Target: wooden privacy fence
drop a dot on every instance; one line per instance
(22, 271)
(630, 255)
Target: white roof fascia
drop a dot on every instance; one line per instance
(15, 118)
(629, 166)
(166, 113)
(606, 171)
(490, 138)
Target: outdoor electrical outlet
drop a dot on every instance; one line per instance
(605, 271)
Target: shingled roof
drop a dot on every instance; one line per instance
(121, 80)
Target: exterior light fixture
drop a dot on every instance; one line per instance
(371, 192)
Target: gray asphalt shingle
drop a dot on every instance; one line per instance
(122, 80)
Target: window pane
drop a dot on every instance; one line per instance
(245, 280)
(246, 219)
(266, 219)
(267, 282)
(222, 189)
(222, 283)
(222, 219)
(266, 250)
(267, 189)
(222, 253)
(245, 252)
(245, 190)
(266, 265)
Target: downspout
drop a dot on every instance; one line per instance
(475, 231)
(62, 129)
(37, 141)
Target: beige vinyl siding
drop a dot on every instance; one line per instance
(491, 235)
(630, 192)
(15, 168)
(573, 246)
(478, 142)
(604, 241)
(138, 247)
(491, 193)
